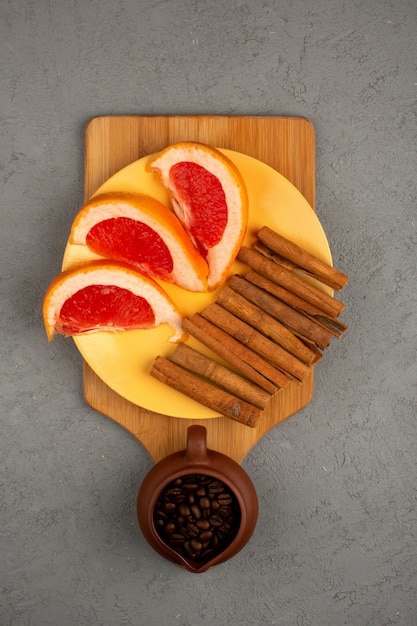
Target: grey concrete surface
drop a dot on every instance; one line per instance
(336, 538)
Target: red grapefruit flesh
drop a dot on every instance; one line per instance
(107, 296)
(118, 238)
(209, 197)
(106, 306)
(139, 230)
(202, 192)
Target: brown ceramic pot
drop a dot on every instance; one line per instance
(213, 468)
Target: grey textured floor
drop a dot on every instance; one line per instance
(336, 538)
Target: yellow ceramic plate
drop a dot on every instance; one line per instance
(123, 359)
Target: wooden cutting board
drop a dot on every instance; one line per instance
(285, 143)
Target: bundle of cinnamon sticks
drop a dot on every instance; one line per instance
(270, 327)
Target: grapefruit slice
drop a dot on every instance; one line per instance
(137, 229)
(210, 199)
(107, 296)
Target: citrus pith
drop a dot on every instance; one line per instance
(210, 199)
(138, 229)
(103, 295)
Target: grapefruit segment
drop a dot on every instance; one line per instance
(138, 229)
(103, 295)
(210, 199)
(202, 193)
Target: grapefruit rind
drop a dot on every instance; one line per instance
(189, 268)
(103, 273)
(221, 256)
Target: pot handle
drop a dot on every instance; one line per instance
(196, 451)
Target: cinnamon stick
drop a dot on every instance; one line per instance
(284, 294)
(233, 351)
(313, 347)
(303, 259)
(233, 302)
(335, 327)
(204, 392)
(274, 256)
(300, 324)
(200, 364)
(291, 281)
(257, 342)
(200, 333)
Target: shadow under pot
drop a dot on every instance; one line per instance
(197, 507)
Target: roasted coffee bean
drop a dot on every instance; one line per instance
(203, 479)
(169, 507)
(189, 550)
(197, 515)
(184, 510)
(216, 487)
(207, 554)
(224, 499)
(203, 524)
(206, 535)
(190, 487)
(216, 520)
(195, 511)
(204, 503)
(193, 530)
(170, 528)
(196, 545)
(225, 511)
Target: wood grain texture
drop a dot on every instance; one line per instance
(285, 143)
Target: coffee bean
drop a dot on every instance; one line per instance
(197, 515)
(170, 528)
(169, 507)
(207, 554)
(184, 510)
(203, 524)
(204, 503)
(196, 545)
(225, 511)
(216, 487)
(190, 487)
(195, 511)
(206, 535)
(224, 499)
(189, 550)
(193, 530)
(203, 479)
